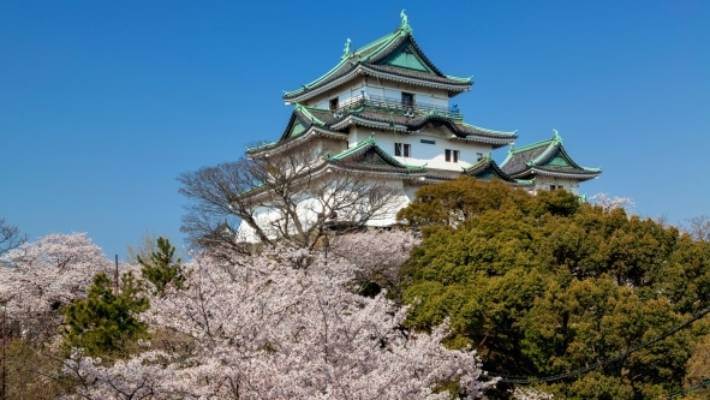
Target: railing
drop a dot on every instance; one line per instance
(388, 103)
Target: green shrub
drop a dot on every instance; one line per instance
(106, 323)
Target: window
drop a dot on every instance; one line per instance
(554, 187)
(402, 150)
(407, 99)
(428, 141)
(333, 104)
(451, 155)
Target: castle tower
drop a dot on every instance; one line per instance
(385, 110)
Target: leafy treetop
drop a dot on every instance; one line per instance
(545, 284)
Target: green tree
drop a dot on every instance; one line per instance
(545, 285)
(162, 269)
(106, 323)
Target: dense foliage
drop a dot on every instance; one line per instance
(545, 285)
(106, 321)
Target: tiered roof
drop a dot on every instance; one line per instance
(395, 57)
(373, 114)
(307, 122)
(545, 158)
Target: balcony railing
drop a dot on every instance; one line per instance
(393, 104)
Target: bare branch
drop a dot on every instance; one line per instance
(10, 236)
(294, 198)
(699, 227)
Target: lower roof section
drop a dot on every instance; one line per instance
(546, 158)
(368, 156)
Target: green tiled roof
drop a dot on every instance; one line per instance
(304, 118)
(487, 168)
(512, 134)
(367, 155)
(397, 49)
(547, 156)
(353, 150)
(308, 114)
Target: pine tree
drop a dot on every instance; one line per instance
(106, 323)
(161, 270)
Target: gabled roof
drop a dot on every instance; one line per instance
(367, 156)
(395, 56)
(303, 124)
(486, 168)
(301, 119)
(548, 157)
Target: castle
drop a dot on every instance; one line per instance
(385, 110)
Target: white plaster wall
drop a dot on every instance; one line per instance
(263, 216)
(356, 135)
(544, 182)
(309, 207)
(422, 96)
(344, 94)
(307, 210)
(388, 216)
(410, 191)
(432, 155)
(308, 152)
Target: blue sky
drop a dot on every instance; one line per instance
(104, 104)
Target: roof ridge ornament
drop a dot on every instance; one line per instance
(404, 24)
(346, 49)
(556, 136)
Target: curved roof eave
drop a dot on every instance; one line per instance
(484, 136)
(580, 175)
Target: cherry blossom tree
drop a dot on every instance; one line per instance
(38, 277)
(378, 254)
(285, 324)
(609, 202)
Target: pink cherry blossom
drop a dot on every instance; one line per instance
(284, 324)
(38, 277)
